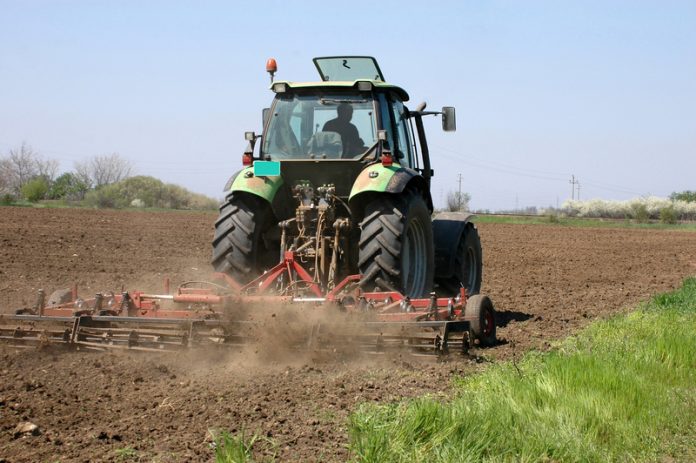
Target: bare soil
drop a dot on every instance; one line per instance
(546, 281)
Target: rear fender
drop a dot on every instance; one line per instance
(377, 178)
(448, 229)
(246, 181)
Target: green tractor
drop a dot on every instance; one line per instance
(341, 177)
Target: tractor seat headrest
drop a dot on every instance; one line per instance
(327, 144)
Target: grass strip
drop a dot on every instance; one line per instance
(582, 222)
(623, 389)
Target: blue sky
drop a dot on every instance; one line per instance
(602, 90)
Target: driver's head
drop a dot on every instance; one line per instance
(344, 111)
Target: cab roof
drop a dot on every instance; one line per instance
(341, 85)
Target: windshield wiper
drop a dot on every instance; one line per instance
(332, 101)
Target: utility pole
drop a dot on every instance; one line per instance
(573, 181)
(578, 191)
(459, 196)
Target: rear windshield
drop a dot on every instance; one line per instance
(348, 68)
(325, 126)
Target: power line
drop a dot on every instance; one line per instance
(502, 165)
(573, 182)
(519, 171)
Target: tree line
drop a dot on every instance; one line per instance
(26, 174)
(104, 181)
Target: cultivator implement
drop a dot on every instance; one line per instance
(223, 313)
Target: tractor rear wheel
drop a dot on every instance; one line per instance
(468, 265)
(396, 245)
(239, 249)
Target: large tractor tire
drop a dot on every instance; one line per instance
(396, 245)
(468, 265)
(239, 249)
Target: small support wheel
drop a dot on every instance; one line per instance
(481, 314)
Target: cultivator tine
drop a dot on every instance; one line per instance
(75, 330)
(434, 338)
(110, 332)
(26, 335)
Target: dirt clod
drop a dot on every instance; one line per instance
(26, 428)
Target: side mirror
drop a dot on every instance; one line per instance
(449, 119)
(265, 114)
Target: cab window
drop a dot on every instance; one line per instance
(298, 126)
(403, 140)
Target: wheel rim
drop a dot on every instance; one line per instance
(413, 259)
(488, 322)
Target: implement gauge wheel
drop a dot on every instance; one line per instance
(481, 314)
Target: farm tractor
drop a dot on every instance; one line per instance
(332, 210)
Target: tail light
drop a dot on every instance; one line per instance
(387, 159)
(247, 160)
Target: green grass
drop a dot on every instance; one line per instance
(580, 222)
(126, 454)
(622, 390)
(236, 448)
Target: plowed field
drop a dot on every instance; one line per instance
(546, 281)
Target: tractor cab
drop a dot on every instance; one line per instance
(331, 131)
(339, 117)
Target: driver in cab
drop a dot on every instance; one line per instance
(350, 138)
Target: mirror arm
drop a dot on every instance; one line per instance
(429, 113)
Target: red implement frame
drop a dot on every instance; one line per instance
(201, 302)
(211, 304)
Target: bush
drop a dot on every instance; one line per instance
(68, 186)
(668, 215)
(35, 190)
(639, 212)
(106, 197)
(552, 218)
(143, 191)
